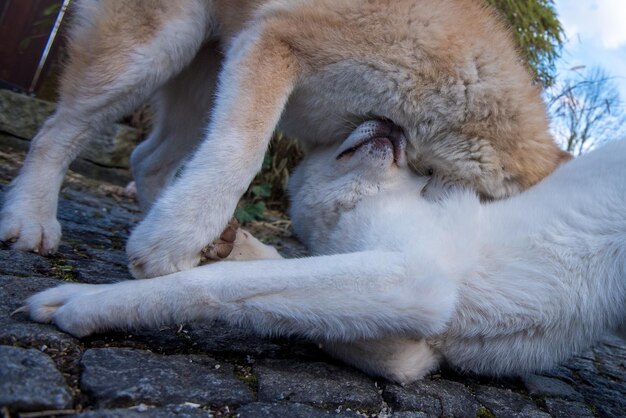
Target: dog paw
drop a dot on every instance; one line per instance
(172, 235)
(68, 306)
(130, 190)
(222, 247)
(28, 231)
(158, 249)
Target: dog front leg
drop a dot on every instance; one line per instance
(258, 76)
(345, 297)
(113, 68)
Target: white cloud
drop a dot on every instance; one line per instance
(602, 22)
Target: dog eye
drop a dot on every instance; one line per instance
(429, 171)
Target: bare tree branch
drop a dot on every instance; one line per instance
(586, 111)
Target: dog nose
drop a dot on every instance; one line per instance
(395, 132)
(398, 140)
(382, 127)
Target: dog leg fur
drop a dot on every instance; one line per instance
(258, 76)
(182, 107)
(401, 360)
(110, 73)
(345, 297)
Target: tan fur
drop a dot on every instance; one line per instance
(461, 93)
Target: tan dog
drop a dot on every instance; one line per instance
(445, 71)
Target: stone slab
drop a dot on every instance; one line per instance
(115, 377)
(434, 397)
(548, 387)
(21, 116)
(504, 403)
(291, 410)
(142, 411)
(29, 381)
(315, 383)
(560, 408)
(17, 329)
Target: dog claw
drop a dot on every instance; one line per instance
(21, 309)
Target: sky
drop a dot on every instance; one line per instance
(596, 36)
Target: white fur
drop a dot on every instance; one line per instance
(500, 288)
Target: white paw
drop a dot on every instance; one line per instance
(30, 227)
(71, 307)
(176, 229)
(158, 247)
(409, 361)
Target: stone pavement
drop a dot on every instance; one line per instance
(200, 369)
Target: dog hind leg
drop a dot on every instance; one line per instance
(118, 56)
(182, 108)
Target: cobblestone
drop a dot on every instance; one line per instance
(30, 381)
(143, 411)
(564, 409)
(505, 403)
(547, 386)
(435, 397)
(291, 410)
(124, 377)
(316, 383)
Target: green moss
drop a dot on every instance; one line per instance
(117, 243)
(63, 271)
(483, 412)
(244, 373)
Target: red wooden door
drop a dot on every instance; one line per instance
(27, 35)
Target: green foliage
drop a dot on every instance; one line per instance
(252, 207)
(538, 32)
(250, 211)
(42, 26)
(262, 190)
(268, 189)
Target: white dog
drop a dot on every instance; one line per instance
(401, 282)
(445, 71)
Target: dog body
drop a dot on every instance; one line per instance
(399, 281)
(445, 71)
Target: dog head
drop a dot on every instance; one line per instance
(332, 181)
